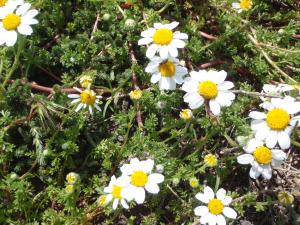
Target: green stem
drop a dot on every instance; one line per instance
(16, 61)
(217, 180)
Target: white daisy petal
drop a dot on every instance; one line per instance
(173, 51)
(148, 33)
(226, 85)
(278, 154)
(23, 9)
(179, 35)
(227, 200)
(178, 43)
(221, 193)
(207, 218)
(151, 51)
(229, 212)
(215, 107)
(267, 172)
(156, 178)
(164, 52)
(115, 203)
(147, 165)
(152, 188)
(11, 37)
(172, 25)
(201, 210)
(25, 29)
(145, 41)
(254, 172)
(284, 140)
(245, 159)
(209, 192)
(257, 115)
(139, 195)
(124, 204)
(79, 107)
(221, 220)
(272, 139)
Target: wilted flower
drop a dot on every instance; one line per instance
(285, 198)
(69, 188)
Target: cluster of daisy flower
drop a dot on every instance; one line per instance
(16, 18)
(272, 128)
(86, 98)
(72, 179)
(137, 178)
(202, 86)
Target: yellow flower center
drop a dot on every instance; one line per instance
(139, 178)
(245, 4)
(88, 97)
(11, 21)
(263, 155)
(215, 206)
(211, 160)
(208, 89)
(116, 193)
(167, 69)
(163, 36)
(3, 2)
(278, 119)
(102, 200)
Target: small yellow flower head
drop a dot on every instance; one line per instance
(210, 160)
(85, 81)
(135, 95)
(69, 188)
(194, 182)
(186, 114)
(285, 198)
(297, 86)
(72, 178)
(102, 200)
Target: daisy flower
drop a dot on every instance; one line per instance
(261, 158)
(276, 125)
(163, 40)
(86, 98)
(273, 90)
(16, 21)
(141, 178)
(216, 209)
(243, 5)
(167, 72)
(210, 86)
(116, 190)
